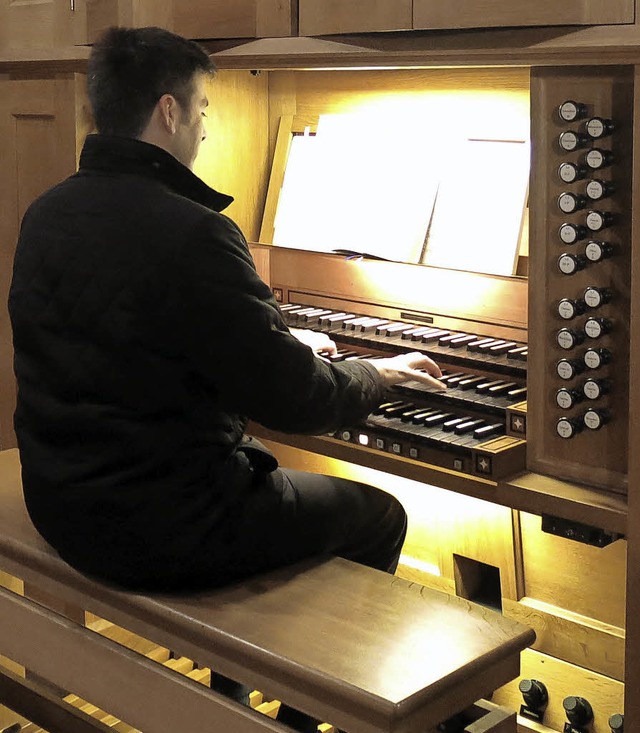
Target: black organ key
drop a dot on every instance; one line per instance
(436, 419)
(519, 393)
(325, 321)
(372, 324)
(335, 321)
(297, 315)
(479, 341)
(394, 329)
(502, 348)
(429, 331)
(397, 410)
(408, 415)
(446, 340)
(460, 341)
(449, 425)
(352, 324)
(315, 315)
(420, 417)
(415, 334)
(380, 409)
(520, 352)
(471, 382)
(500, 389)
(486, 348)
(435, 335)
(452, 377)
(486, 431)
(485, 386)
(468, 426)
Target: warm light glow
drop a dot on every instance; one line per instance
(424, 567)
(391, 174)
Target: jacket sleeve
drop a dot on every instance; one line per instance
(245, 355)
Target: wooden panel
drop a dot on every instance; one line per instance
(586, 580)
(632, 659)
(565, 635)
(563, 679)
(38, 148)
(42, 24)
(323, 17)
(430, 14)
(594, 457)
(215, 18)
(276, 18)
(234, 157)
(197, 19)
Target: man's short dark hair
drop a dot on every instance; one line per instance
(131, 68)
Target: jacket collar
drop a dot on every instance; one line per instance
(128, 155)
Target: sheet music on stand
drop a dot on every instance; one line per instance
(479, 211)
(417, 194)
(359, 185)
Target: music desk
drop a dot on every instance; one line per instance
(356, 647)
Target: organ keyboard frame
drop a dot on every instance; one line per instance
(399, 291)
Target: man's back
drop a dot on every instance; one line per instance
(110, 412)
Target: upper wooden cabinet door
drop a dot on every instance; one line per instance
(44, 24)
(430, 14)
(197, 19)
(325, 17)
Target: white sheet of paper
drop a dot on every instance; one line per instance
(479, 209)
(360, 185)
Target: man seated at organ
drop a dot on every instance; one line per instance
(145, 340)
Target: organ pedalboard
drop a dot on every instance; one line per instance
(477, 426)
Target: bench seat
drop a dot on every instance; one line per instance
(358, 648)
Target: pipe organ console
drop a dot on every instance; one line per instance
(534, 428)
(537, 368)
(464, 429)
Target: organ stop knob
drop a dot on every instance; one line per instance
(578, 710)
(598, 127)
(597, 251)
(616, 723)
(534, 693)
(570, 111)
(571, 172)
(566, 398)
(567, 427)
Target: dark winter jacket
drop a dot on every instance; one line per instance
(144, 340)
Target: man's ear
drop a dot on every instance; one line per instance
(168, 109)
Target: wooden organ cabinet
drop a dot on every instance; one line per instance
(535, 511)
(533, 518)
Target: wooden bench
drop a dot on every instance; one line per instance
(358, 648)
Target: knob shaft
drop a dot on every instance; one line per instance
(595, 358)
(597, 251)
(571, 172)
(534, 693)
(566, 398)
(598, 127)
(597, 159)
(569, 368)
(616, 723)
(578, 710)
(570, 111)
(567, 427)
